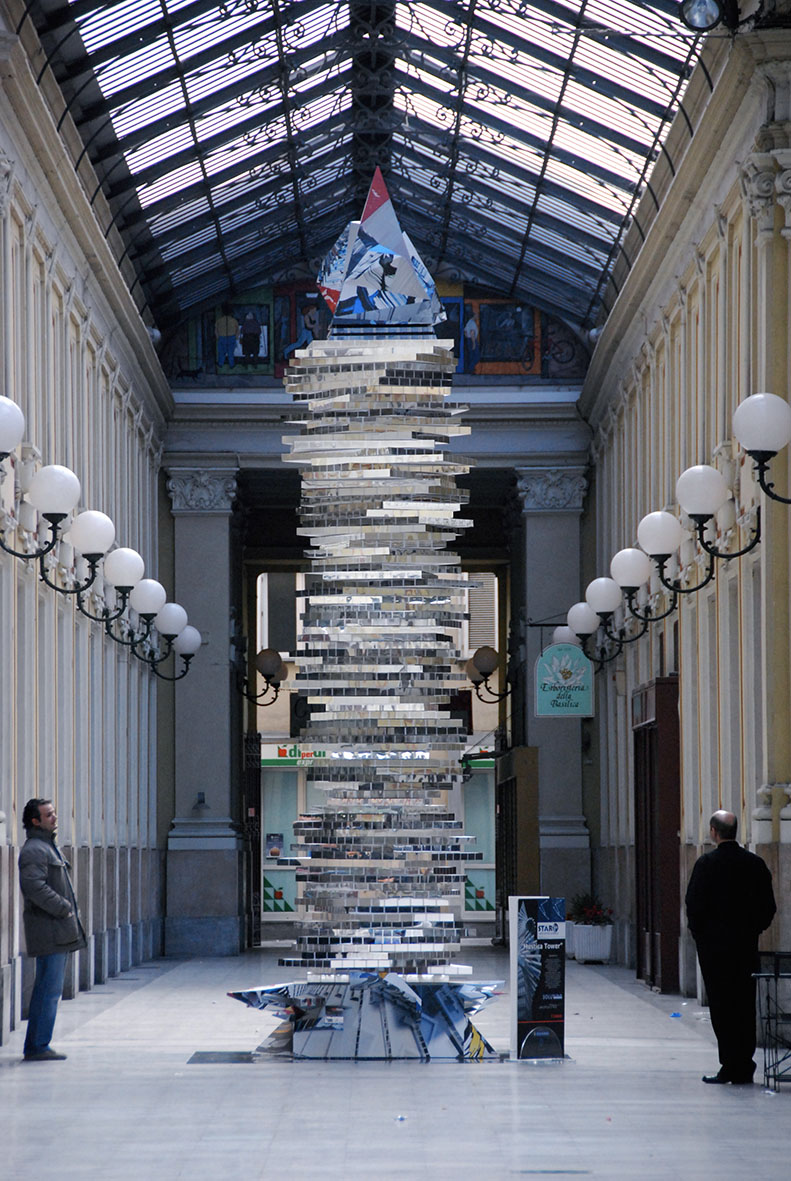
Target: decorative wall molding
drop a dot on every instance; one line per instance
(6, 180)
(551, 489)
(201, 490)
(757, 181)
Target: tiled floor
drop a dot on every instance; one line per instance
(626, 1103)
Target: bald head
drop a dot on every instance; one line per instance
(723, 826)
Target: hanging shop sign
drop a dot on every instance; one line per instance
(564, 683)
(537, 941)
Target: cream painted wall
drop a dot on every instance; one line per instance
(702, 321)
(77, 713)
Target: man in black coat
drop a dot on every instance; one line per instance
(51, 921)
(730, 901)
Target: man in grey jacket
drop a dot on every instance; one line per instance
(51, 921)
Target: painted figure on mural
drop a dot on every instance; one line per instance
(472, 337)
(730, 901)
(226, 329)
(309, 314)
(51, 922)
(250, 335)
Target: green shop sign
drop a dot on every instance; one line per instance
(564, 683)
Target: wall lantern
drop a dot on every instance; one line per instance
(605, 596)
(53, 493)
(660, 534)
(762, 424)
(631, 568)
(702, 492)
(271, 666)
(483, 662)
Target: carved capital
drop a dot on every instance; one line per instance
(202, 490)
(757, 179)
(554, 490)
(783, 189)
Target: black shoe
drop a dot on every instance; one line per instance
(45, 1056)
(717, 1078)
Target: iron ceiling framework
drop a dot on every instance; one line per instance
(234, 139)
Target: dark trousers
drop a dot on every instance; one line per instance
(47, 991)
(731, 991)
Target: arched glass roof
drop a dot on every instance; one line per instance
(234, 139)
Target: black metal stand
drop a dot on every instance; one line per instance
(774, 1008)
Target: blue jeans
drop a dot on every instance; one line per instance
(226, 347)
(47, 991)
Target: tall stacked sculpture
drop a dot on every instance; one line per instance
(379, 867)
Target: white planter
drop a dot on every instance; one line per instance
(569, 939)
(592, 943)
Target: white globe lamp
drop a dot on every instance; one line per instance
(660, 534)
(630, 568)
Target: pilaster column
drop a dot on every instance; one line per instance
(204, 857)
(551, 502)
(758, 174)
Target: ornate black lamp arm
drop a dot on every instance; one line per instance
(54, 520)
(164, 676)
(600, 660)
(136, 640)
(152, 659)
(107, 616)
(700, 528)
(495, 696)
(621, 638)
(761, 460)
(257, 698)
(630, 593)
(93, 563)
(661, 561)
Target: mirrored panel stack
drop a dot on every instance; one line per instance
(378, 655)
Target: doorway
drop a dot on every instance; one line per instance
(657, 838)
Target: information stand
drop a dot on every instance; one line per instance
(537, 929)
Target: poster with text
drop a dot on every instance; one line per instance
(537, 930)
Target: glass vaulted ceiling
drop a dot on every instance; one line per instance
(234, 139)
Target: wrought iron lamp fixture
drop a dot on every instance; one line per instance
(584, 621)
(483, 662)
(271, 666)
(702, 493)
(53, 493)
(762, 424)
(704, 15)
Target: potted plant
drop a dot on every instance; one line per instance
(592, 928)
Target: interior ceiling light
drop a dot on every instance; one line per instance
(703, 15)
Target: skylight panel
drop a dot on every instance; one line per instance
(168, 185)
(591, 148)
(177, 215)
(569, 210)
(569, 245)
(611, 112)
(201, 233)
(105, 25)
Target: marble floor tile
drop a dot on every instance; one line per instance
(627, 1102)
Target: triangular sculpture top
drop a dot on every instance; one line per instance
(373, 274)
